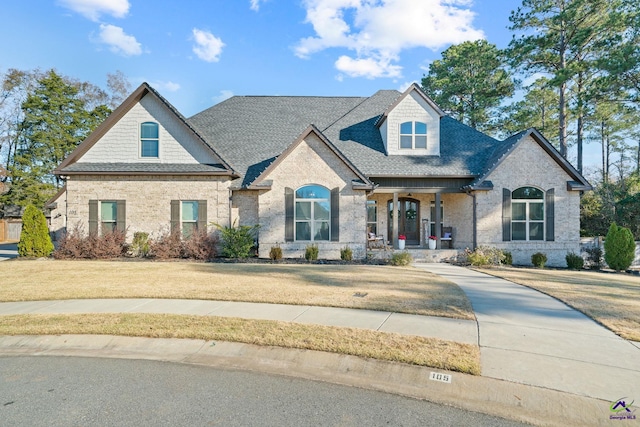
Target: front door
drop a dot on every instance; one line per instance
(408, 220)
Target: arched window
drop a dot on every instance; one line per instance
(413, 135)
(313, 213)
(527, 214)
(149, 140)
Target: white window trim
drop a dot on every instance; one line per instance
(148, 158)
(526, 219)
(312, 220)
(413, 135)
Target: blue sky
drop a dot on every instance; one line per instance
(197, 53)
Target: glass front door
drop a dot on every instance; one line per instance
(408, 219)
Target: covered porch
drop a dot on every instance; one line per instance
(415, 215)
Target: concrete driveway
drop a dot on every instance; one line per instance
(531, 338)
(8, 251)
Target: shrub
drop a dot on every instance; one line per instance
(346, 254)
(311, 252)
(140, 246)
(34, 238)
(594, 258)
(619, 247)
(401, 258)
(275, 253)
(574, 261)
(508, 258)
(485, 255)
(167, 246)
(75, 244)
(200, 245)
(538, 259)
(237, 242)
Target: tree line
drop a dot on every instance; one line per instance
(580, 60)
(43, 117)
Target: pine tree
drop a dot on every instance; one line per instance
(34, 238)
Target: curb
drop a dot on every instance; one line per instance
(519, 402)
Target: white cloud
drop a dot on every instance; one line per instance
(118, 41)
(167, 86)
(255, 4)
(379, 30)
(92, 9)
(208, 47)
(224, 94)
(367, 67)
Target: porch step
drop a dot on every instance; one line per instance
(419, 255)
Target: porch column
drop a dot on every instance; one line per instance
(438, 220)
(394, 220)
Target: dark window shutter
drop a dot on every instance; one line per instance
(93, 216)
(550, 215)
(335, 215)
(175, 216)
(202, 215)
(121, 215)
(506, 215)
(288, 214)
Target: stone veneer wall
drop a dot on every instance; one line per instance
(148, 199)
(530, 165)
(312, 162)
(457, 214)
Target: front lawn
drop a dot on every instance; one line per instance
(612, 300)
(397, 289)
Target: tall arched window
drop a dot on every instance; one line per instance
(149, 140)
(527, 214)
(313, 213)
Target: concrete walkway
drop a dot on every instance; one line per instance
(464, 331)
(528, 337)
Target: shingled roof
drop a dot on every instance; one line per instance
(252, 131)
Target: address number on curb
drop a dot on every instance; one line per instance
(445, 378)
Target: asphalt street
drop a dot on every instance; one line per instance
(72, 391)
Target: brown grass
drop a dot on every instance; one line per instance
(358, 342)
(398, 289)
(613, 300)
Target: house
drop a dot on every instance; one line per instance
(322, 170)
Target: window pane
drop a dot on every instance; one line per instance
(536, 211)
(519, 231)
(149, 148)
(406, 128)
(421, 128)
(149, 130)
(312, 192)
(108, 227)
(188, 228)
(421, 142)
(322, 211)
(518, 211)
(303, 231)
(527, 193)
(372, 211)
(189, 211)
(108, 211)
(536, 231)
(405, 142)
(322, 230)
(303, 210)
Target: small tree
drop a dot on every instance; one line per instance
(237, 242)
(619, 247)
(34, 238)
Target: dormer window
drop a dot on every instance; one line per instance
(149, 140)
(413, 135)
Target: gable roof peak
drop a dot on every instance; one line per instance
(413, 88)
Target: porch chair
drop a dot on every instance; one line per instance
(447, 236)
(375, 242)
